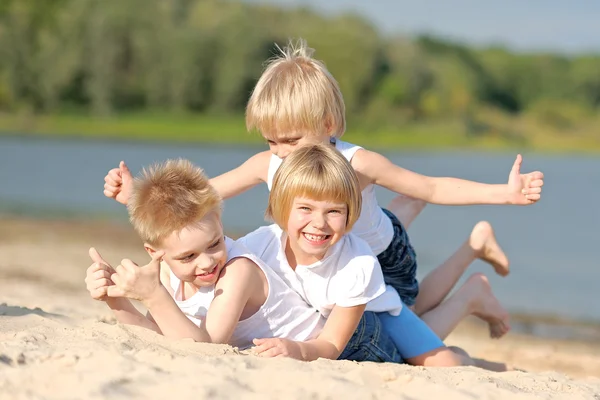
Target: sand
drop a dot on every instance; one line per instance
(57, 343)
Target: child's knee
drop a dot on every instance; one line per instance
(442, 357)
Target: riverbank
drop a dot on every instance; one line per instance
(227, 130)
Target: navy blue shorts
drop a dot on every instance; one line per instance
(371, 342)
(399, 263)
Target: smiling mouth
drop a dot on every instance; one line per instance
(316, 239)
(208, 274)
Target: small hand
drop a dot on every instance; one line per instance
(135, 282)
(118, 183)
(97, 277)
(275, 347)
(524, 189)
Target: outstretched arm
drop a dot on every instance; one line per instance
(246, 176)
(521, 189)
(118, 182)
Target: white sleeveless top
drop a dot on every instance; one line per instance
(373, 226)
(283, 315)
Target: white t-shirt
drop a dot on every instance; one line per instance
(283, 315)
(347, 276)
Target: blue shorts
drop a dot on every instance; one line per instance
(371, 342)
(411, 336)
(399, 263)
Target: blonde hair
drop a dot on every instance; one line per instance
(296, 93)
(168, 197)
(318, 172)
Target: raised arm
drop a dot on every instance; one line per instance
(521, 189)
(246, 176)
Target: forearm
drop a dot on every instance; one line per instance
(454, 191)
(317, 348)
(171, 320)
(126, 313)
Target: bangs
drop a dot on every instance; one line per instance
(321, 185)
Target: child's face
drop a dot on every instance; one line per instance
(313, 227)
(282, 146)
(197, 253)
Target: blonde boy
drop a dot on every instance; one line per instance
(207, 288)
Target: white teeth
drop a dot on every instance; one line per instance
(315, 238)
(209, 272)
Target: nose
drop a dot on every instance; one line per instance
(318, 221)
(283, 151)
(205, 261)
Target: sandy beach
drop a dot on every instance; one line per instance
(57, 343)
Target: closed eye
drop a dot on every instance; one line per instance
(215, 244)
(188, 258)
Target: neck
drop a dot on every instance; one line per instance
(289, 254)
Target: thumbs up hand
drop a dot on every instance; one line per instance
(118, 183)
(135, 282)
(97, 278)
(524, 189)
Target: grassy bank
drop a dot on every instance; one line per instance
(231, 129)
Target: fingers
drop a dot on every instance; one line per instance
(272, 352)
(533, 197)
(115, 291)
(263, 345)
(536, 183)
(124, 169)
(156, 259)
(100, 283)
(99, 294)
(114, 177)
(533, 190)
(96, 257)
(516, 168)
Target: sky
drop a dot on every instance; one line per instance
(527, 25)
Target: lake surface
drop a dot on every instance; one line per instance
(553, 245)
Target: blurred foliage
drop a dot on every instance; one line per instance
(107, 58)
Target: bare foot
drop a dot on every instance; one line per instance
(486, 306)
(483, 242)
(406, 209)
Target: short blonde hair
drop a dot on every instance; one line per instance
(168, 197)
(318, 172)
(296, 93)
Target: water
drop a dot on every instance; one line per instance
(551, 245)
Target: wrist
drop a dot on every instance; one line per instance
(156, 297)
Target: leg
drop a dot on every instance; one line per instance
(475, 297)
(418, 344)
(406, 209)
(439, 282)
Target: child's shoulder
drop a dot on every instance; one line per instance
(262, 239)
(240, 272)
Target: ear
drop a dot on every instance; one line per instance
(330, 127)
(150, 250)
